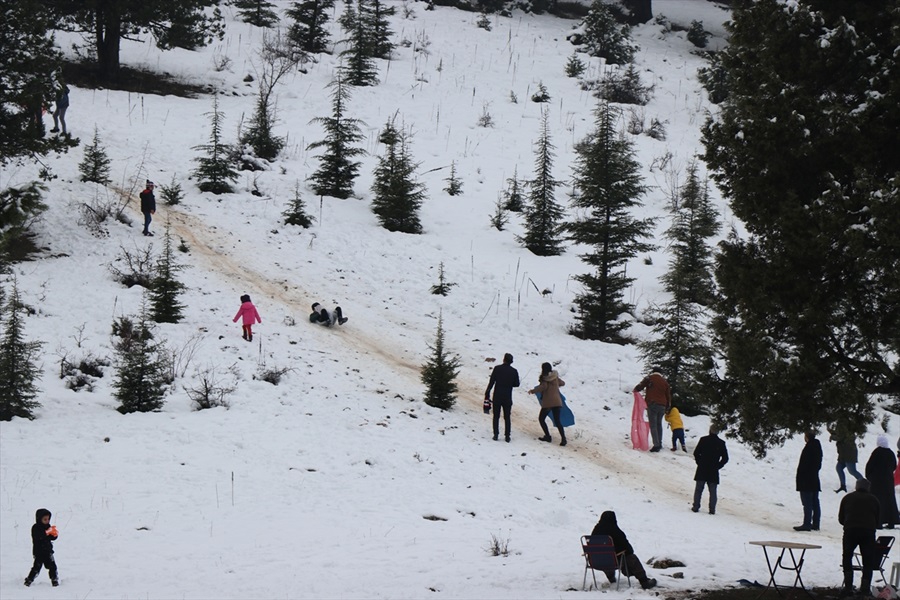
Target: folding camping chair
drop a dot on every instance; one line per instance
(600, 555)
(882, 550)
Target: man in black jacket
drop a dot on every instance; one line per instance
(859, 514)
(710, 456)
(808, 482)
(505, 378)
(42, 536)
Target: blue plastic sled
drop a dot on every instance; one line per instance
(565, 413)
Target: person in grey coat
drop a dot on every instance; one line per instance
(710, 455)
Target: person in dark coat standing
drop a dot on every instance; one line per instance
(710, 455)
(808, 482)
(148, 206)
(503, 379)
(880, 472)
(608, 525)
(42, 536)
(859, 514)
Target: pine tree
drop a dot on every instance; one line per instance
(805, 153)
(454, 185)
(20, 207)
(165, 306)
(604, 37)
(680, 344)
(500, 217)
(514, 197)
(359, 67)
(141, 367)
(95, 166)
(574, 66)
(439, 373)
(336, 169)
(18, 368)
(215, 171)
(607, 185)
(308, 32)
(172, 194)
(442, 287)
(694, 222)
(379, 28)
(256, 12)
(295, 213)
(543, 214)
(397, 194)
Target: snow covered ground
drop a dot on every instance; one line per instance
(340, 482)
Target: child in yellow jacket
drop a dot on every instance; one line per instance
(673, 418)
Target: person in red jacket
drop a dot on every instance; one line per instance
(659, 400)
(42, 536)
(148, 206)
(250, 315)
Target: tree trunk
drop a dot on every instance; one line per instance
(108, 34)
(641, 11)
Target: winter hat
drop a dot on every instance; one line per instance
(863, 485)
(883, 442)
(149, 183)
(40, 514)
(245, 298)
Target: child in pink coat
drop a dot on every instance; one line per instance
(250, 315)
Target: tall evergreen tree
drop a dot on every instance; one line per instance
(141, 368)
(183, 24)
(397, 194)
(804, 150)
(439, 373)
(379, 27)
(18, 368)
(29, 55)
(359, 67)
(256, 12)
(308, 31)
(694, 221)
(607, 186)
(336, 169)
(542, 214)
(215, 172)
(680, 344)
(165, 306)
(95, 166)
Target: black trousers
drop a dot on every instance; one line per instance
(46, 561)
(864, 539)
(543, 419)
(506, 406)
(633, 568)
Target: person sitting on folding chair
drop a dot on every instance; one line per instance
(607, 525)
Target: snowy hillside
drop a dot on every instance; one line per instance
(340, 482)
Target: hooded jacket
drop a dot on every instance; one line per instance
(549, 389)
(41, 538)
(249, 313)
(673, 418)
(607, 525)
